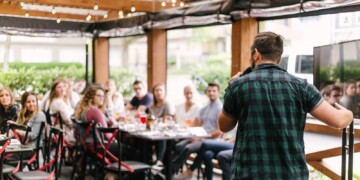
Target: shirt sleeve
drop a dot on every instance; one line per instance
(313, 97)
(148, 100)
(169, 109)
(229, 107)
(96, 115)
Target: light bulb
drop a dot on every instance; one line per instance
(53, 11)
(163, 4)
(173, 1)
(182, 4)
(88, 17)
(173, 4)
(26, 14)
(105, 16)
(133, 8)
(121, 14)
(96, 6)
(58, 20)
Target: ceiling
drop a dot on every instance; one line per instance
(43, 8)
(36, 17)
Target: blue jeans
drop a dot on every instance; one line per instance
(182, 151)
(208, 150)
(224, 159)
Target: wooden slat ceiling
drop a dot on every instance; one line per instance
(13, 7)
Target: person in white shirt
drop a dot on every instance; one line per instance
(186, 112)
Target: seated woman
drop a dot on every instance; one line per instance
(161, 108)
(114, 100)
(187, 112)
(8, 109)
(30, 115)
(91, 106)
(59, 103)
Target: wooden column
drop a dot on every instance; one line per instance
(243, 33)
(156, 41)
(101, 60)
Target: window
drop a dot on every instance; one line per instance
(304, 64)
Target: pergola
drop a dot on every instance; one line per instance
(103, 19)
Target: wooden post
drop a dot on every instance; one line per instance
(243, 33)
(156, 40)
(101, 60)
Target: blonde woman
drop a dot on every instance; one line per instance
(8, 109)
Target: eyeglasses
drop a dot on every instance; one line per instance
(100, 95)
(335, 95)
(135, 89)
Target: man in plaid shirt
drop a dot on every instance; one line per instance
(270, 107)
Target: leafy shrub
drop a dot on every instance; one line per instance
(43, 66)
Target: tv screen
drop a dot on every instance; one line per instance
(339, 65)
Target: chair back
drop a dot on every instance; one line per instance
(58, 136)
(12, 127)
(4, 143)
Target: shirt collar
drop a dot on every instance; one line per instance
(268, 66)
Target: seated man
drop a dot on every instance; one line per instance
(142, 99)
(208, 151)
(331, 94)
(224, 160)
(208, 120)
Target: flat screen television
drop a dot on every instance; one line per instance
(339, 64)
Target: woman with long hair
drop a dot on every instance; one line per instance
(8, 109)
(30, 115)
(58, 103)
(91, 106)
(161, 108)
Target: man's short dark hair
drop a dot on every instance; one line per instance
(136, 82)
(269, 45)
(327, 89)
(214, 85)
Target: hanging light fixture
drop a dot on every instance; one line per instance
(58, 20)
(121, 14)
(96, 6)
(53, 11)
(133, 9)
(88, 17)
(163, 3)
(27, 14)
(182, 4)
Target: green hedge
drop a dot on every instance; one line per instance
(37, 78)
(43, 66)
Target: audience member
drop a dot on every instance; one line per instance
(58, 103)
(208, 120)
(79, 86)
(142, 99)
(187, 112)
(347, 100)
(8, 109)
(331, 94)
(114, 100)
(224, 160)
(73, 96)
(161, 108)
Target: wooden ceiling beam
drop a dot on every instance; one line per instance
(141, 6)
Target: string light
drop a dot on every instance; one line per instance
(58, 20)
(105, 16)
(182, 4)
(53, 11)
(96, 6)
(121, 14)
(173, 4)
(133, 8)
(27, 14)
(88, 17)
(173, 1)
(163, 4)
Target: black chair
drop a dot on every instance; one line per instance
(83, 155)
(13, 127)
(55, 135)
(121, 168)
